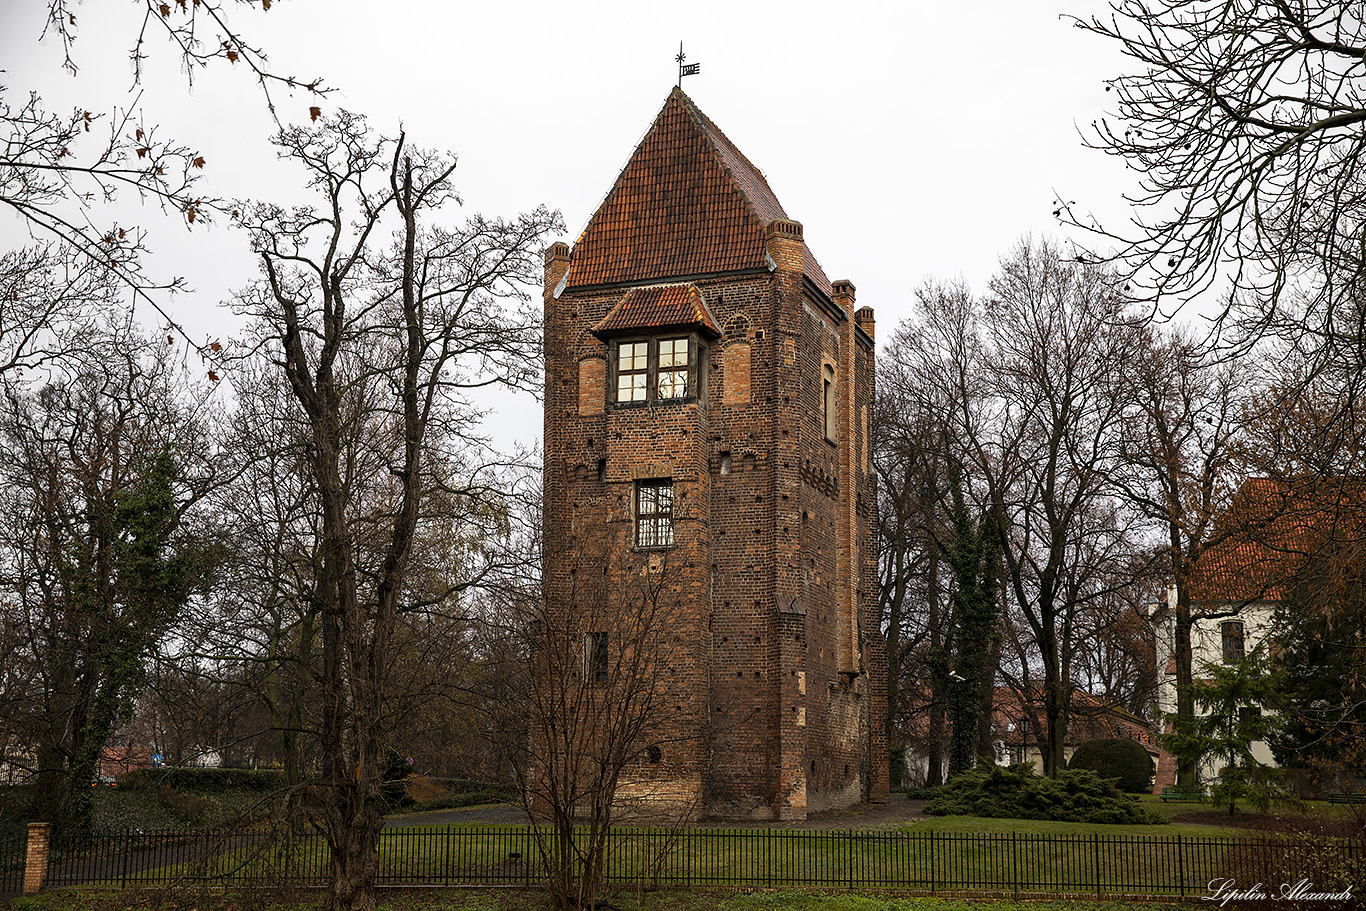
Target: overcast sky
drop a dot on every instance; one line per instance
(911, 139)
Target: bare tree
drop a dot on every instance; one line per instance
(60, 172)
(1117, 661)
(1244, 122)
(910, 449)
(587, 689)
(1034, 376)
(1179, 469)
(49, 299)
(381, 322)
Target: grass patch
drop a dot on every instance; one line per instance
(975, 824)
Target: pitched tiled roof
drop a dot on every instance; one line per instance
(687, 203)
(659, 306)
(1267, 533)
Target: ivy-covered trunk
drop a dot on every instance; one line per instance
(972, 557)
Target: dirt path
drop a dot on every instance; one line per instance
(896, 812)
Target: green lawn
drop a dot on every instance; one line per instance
(1033, 859)
(966, 854)
(976, 824)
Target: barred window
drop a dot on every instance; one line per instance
(633, 371)
(1231, 632)
(655, 513)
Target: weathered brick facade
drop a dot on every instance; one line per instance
(741, 389)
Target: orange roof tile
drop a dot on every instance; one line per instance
(1266, 534)
(657, 307)
(687, 203)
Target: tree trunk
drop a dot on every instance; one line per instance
(1055, 714)
(986, 746)
(1187, 770)
(935, 737)
(52, 784)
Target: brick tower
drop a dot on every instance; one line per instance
(706, 424)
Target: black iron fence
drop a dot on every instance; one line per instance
(12, 850)
(497, 856)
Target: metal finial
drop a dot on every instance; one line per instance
(690, 69)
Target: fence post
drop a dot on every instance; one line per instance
(127, 851)
(1180, 865)
(850, 864)
(35, 861)
(687, 858)
(933, 837)
(1095, 852)
(1014, 864)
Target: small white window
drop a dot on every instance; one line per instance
(673, 368)
(633, 371)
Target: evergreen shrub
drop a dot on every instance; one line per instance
(1119, 758)
(1015, 792)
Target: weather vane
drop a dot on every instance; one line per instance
(685, 69)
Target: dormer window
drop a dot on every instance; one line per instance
(658, 369)
(655, 339)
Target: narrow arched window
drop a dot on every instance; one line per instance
(828, 401)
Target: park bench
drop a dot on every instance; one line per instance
(1172, 792)
(1344, 797)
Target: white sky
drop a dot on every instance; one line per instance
(911, 139)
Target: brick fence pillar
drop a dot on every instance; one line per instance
(35, 865)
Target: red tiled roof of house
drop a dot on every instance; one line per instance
(659, 306)
(1089, 717)
(1268, 531)
(688, 202)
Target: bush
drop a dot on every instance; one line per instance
(1017, 793)
(464, 799)
(1116, 757)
